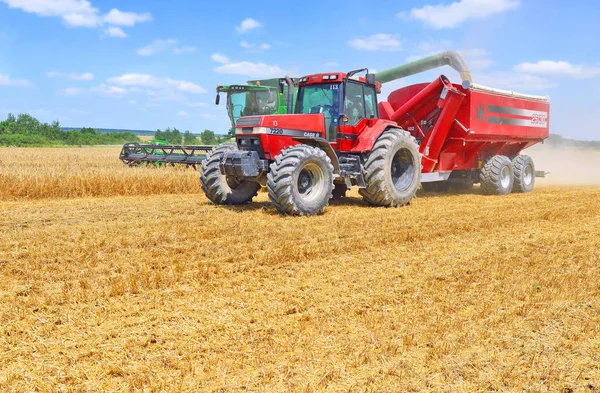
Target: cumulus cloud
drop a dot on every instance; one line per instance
(219, 58)
(120, 18)
(453, 15)
(377, 42)
(77, 13)
(182, 113)
(558, 68)
(247, 25)
(5, 80)
(155, 47)
(147, 80)
(255, 70)
(113, 31)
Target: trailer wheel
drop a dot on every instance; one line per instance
(221, 189)
(300, 182)
(524, 174)
(392, 170)
(496, 176)
(436, 186)
(339, 191)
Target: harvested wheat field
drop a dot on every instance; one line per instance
(168, 293)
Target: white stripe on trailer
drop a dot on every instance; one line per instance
(508, 93)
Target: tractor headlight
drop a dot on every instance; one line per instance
(244, 141)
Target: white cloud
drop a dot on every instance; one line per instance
(219, 58)
(522, 83)
(562, 68)
(182, 113)
(185, 49)
(77, 13)
(264, 46)
(474, 58)
(254, 47)
(245, 44)
(113, 31)
(120, 18)
(110, 90)
(86, 76)
(331, 64)
(5, 80)
(147, 80)
(452, 15)
(256, 70)
(247, 25)
(377, 42)
(132, 102)
(155, 47)
(70, 91)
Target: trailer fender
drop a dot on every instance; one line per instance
(366, 139)
(325, 146)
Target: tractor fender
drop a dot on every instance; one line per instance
(366, 139)
(324, 145)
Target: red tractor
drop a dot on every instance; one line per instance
(437, 134)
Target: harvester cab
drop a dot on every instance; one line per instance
(257, 98)
(339, 136)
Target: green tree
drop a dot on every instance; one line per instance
(208, 137)
(189, 138)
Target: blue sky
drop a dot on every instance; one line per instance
(154, 64)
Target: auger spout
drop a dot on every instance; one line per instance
(449, 57)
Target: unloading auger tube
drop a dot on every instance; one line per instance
(449, 57)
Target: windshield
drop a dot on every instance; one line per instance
(322, 98)
(251, 103)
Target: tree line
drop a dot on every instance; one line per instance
(25, 130)
(175, 137)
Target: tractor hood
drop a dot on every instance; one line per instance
(300, 125)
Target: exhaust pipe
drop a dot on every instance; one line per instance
(290, 83)
(449, 57)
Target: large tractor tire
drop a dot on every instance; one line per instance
(221, 189)
(524, 174)
(392, 170)
(436, 186)
(496, 176)
(300, 182)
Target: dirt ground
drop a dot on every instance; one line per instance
(169, 293)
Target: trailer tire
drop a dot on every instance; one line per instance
(300, 182)
(339, 191)
(436, 186)
(220, 189)
(496, 176)
(524, 174)
(392, 170)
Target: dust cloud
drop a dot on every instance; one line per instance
(567, 166)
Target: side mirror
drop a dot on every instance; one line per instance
(281, 87)
(218, 99)
(370, 79)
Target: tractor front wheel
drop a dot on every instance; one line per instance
(392, 170)
(221, 189)
(300, 182)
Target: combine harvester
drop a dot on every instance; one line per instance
(258, 97)
(436, 134)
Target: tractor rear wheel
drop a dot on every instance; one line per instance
(524, 174)
(300, 182)
(392, 170)
(221, 189)
(436, 186)
(496, 176)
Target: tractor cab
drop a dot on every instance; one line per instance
(346, 101)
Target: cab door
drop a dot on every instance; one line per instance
(360, 105)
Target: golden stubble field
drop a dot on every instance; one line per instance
(111, 291)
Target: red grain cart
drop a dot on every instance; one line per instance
(435, 135)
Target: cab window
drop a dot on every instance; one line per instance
(354, 103)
